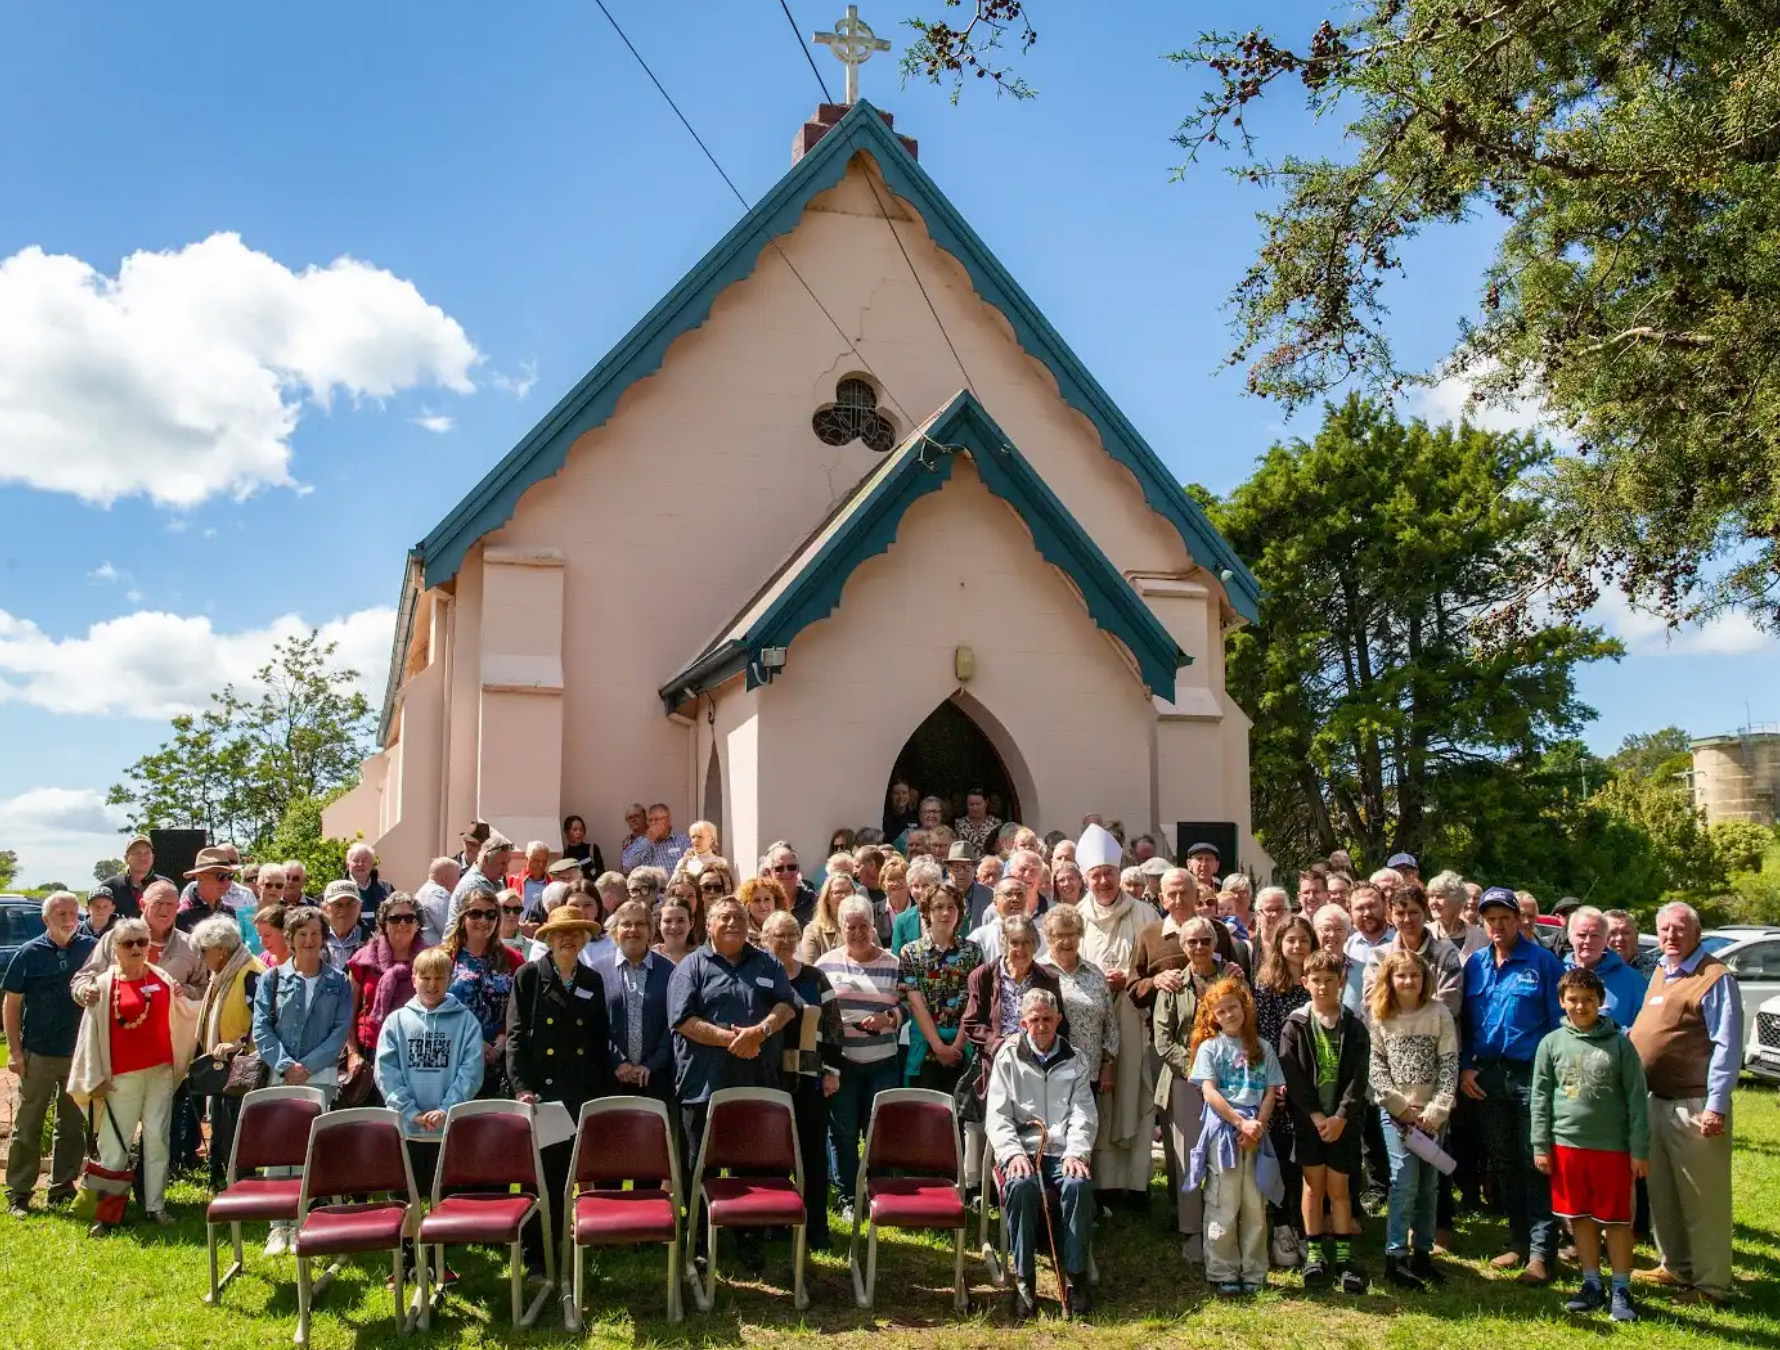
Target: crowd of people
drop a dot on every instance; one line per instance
(1370, 1044)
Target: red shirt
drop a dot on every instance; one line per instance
(148, 1045)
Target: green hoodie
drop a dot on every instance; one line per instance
(1588, 1091)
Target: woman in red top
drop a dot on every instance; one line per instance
(135, 1040)
(382, 980)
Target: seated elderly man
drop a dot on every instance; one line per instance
(1041, 1104)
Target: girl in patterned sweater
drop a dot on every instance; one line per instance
(1415, 1072)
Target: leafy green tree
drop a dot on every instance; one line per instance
(1383, 548)
(1629, 153)
(1739, 845)
(299, 835)
(9, 867)
(237, 767)
(107, 867)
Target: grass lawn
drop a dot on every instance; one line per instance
(142, 1288)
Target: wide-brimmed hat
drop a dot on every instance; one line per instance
(566, 919)
(211, 860)
(564, 867)
(478, 831)
(962, 851)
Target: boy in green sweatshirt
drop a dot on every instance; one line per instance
(1591, 1136)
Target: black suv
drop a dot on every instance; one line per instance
(21, 919)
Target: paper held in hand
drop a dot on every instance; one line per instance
(1425, 1147)
(553, 1124)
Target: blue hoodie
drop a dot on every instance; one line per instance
(428, 1059)
(1625, 987)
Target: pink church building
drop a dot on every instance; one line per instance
(781, 545)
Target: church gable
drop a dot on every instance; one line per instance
(819, 182)
(807, 588)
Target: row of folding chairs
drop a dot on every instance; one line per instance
(294, 1162)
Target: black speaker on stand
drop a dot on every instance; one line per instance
(177, 850)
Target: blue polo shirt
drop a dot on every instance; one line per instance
(1509, 1009)
(40, 971)
(728, 994)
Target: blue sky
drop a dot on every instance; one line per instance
(220, 444)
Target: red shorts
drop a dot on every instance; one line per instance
(1591, 1183)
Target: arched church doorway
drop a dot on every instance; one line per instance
(948, 755)
(714, 792)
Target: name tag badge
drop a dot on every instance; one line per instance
(151, 988)
(584, 993)
(765, 981)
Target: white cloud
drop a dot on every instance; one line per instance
(156, 665)
(1450, 401)
(1644, 634)
(106, 572)
(434, 422)
(183, 377)
(517, 385)
(59, 833)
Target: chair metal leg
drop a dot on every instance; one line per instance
(215, 1294)
(960, 1294)
(235, 1237)
(676, 1309)
(800, 1298)
(572, 1307)
(516, 1282)
(408, 1312)
(862, 1287)
(704, 1291)
(304, 1296)
(423, 1297)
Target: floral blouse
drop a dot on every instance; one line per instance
(482, 986)
(941, 978)
(1271, 1011)
(1088, 1007)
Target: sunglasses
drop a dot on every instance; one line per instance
(714, 888)
(512, 909)
(1202, 942)
(781, 869)
(133, 943)
(402, 918)
(486, 915)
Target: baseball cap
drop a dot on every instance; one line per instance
(1498, 897)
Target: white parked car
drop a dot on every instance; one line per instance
(1755, 961)
(1762, 1055)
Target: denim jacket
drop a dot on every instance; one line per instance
(302, 1031)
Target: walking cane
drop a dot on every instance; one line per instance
(1044, 1206)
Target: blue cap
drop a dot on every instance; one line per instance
(1203, 847)
(1498, 895)
(1402, 860)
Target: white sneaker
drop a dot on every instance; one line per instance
(1285, 1247)
(278, 1242)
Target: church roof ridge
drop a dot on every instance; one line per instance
(807, 586)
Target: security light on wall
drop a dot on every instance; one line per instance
(964, 664)
(772, 658)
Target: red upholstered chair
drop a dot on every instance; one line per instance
(623, 1139)
(356, 1152)
(488, 1149)
(752, 1134)
(911, 1175)
(272, 1131)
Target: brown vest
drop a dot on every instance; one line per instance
(1670, 1033)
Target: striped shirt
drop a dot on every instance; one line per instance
(862, 989)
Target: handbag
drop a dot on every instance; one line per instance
(103, 1193)
(355, 1081)
(234, 1075)
(969, 1106)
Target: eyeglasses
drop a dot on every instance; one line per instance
(782, 869)
(133, 943)
(486, 915)
(512, 909)
(402, 918)
(1201, 942)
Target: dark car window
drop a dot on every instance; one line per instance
(19, 924)
(1757, 962)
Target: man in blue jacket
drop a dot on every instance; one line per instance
(1511, 1003)
(1625, 986)
(636, 981)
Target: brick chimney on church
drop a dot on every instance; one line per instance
(827, 115)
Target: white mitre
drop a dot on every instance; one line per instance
(1098, 847)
